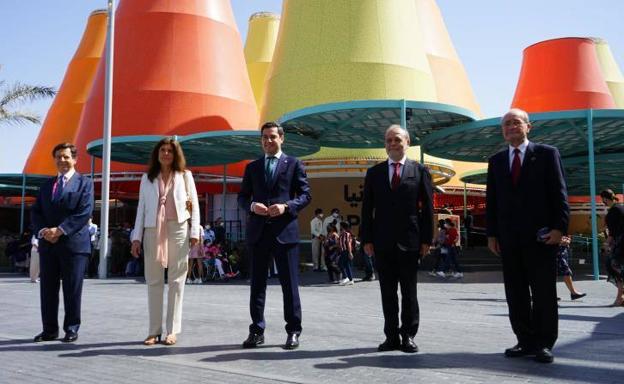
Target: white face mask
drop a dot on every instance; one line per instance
(335, 214)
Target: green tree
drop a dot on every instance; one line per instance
(14, 96)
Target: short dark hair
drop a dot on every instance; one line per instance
(62, 146)
(608, 194)
(345, 225)
(272, 124)
(317, 211)
(335, 210)
(179, 162)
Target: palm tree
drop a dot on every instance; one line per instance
(18, 94)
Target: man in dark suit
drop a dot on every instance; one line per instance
(60, 217)
(397, 227)
(527, 213)
(273, 191)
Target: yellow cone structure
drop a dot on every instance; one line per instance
(63, 118)
(259, 48)
(611, 71)
(343, 50)
(451, 81)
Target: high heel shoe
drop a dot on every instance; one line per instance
(151, 340)
(170, 339)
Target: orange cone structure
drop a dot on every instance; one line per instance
(63, 118)
(561, 74)
(451, 81)
(179, 69)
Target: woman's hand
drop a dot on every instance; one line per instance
(135, 250)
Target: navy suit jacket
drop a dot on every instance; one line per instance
(404, 216)
(289, 186)
(71, 212)
(516, 213)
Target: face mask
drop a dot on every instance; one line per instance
(335, 214)
(207, 227)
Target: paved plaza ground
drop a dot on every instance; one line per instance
(464, 330)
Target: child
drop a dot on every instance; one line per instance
(332, 254)
(345, 245)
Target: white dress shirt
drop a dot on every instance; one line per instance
(266, 156)
(391, 167)
(522, 147)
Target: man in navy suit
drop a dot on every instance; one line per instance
(527, 214)
(397, 227)
(60, 217)
(273, 191)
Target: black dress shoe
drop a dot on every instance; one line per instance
(518, 351)
(390, 344)
(544, 355)
(574, 296)
(292, 341)
(45, 337)
(70, 337)
(408, 345)
(253, 340)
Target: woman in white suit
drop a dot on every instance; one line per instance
(167, 200)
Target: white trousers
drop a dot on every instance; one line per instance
(178, 248)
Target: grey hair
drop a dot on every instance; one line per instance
(397, 127)
(516, 111)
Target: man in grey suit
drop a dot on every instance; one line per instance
(397, 227)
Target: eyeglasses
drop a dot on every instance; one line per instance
(514, 123)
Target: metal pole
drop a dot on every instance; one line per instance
(22, 205)
(108, 114)
(224, 189)
(403, 114)
(465, 202)
(92, 168)
(592, 192)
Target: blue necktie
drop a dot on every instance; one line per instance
(269, 169)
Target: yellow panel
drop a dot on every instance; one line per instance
(259, 48)
(610, 71)
(451, 81)
(343, 50)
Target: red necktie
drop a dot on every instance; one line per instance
(516, 166)
(396, 176)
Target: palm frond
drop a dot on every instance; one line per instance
(20, 93)
(18, 118)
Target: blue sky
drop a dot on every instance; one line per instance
(39, 38)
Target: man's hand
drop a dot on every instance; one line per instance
(194, 241)
(260, 209)
(494, 246)
(369, 249)
(52, 234)
(277, 210)
(553, 237)
(135, 250)
(424, 249)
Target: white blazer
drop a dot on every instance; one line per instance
(148, 204)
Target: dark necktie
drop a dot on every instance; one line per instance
(396, 176)
(268, 170)
(516, 166)
(57, 189)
